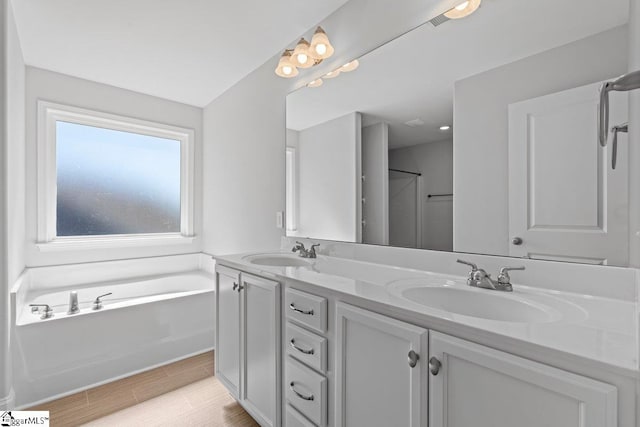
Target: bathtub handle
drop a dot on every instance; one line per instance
(47, 313)
(97, 304)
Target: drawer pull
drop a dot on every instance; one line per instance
(300, 395)
(301, 350)
(297, 310)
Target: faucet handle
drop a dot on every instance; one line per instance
(504, 278)
(97, 304)
(46, 314)
(299, 246)
(312, 250)
(473, 266)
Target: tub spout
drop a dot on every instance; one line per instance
(73, 303)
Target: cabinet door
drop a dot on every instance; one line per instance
(481, 387)
(261, 349)
(376, 386)
(228, 329)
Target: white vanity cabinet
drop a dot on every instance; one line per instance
(248, 342)
(381, 370)
(473, 385)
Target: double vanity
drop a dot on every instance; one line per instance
(330, 341)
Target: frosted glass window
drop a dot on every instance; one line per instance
(115, 182)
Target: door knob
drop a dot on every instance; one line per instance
(413, 358)
(434, 365)
(517, 241)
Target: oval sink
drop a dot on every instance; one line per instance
(480, 303)
(278, 260)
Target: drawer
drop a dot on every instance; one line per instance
(306, 391)
(293, 418)
(306, 309)
(307, 347)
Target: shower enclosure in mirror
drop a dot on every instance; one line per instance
(474, 135)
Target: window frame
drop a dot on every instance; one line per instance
(48, 114)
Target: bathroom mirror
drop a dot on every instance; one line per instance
(475, 135)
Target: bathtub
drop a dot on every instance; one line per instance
(149, 320)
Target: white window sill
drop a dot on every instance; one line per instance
(61, 244)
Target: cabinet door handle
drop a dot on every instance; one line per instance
(235, 286)
(413, 358)
(434, 365)
(240, 287)
(297, 310)
(301, 350)
(300, 395)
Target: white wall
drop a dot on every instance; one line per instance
(244, 129)
(63, 89)
(481, 216)
(329, 179)
(375, 186)
(435, 161)
(13, 167)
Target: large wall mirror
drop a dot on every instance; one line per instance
(474, 135)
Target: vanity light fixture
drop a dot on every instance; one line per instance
(286, 67)
(445, 127)
(332, 74)
(350, 66)
(305, 54)
(465, 8)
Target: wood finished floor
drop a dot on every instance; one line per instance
(184, 393)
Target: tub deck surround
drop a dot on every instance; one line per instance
(150, 319)
(578, 327)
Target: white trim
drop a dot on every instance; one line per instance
(8, 401)
(48, 114)
(291, 216)
(114, 241)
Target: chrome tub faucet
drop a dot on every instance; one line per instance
(73, 303)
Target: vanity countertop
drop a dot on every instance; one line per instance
(595, 328)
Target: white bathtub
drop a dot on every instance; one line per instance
(146, 322)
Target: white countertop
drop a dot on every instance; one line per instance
(592, 327)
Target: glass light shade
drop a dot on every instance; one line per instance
(463, 9)
(285, 67)
(320, 46)
(332, 74)
(350, 66)
(301, 56)
(315, 83)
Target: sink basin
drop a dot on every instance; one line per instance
(278, 260)
(481, 303)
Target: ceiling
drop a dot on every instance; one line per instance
(413, 76)
(189, 51)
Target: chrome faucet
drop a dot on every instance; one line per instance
(479, 278)
(305, 253)
(73, 303)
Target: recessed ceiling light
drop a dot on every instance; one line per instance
(445, 127)
(465, 8)
(415, 122)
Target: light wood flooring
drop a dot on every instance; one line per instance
(184, 393)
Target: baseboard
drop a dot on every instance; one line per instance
(7, 402)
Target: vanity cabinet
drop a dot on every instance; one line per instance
(381, 370)
(248, 342)
(473, 385)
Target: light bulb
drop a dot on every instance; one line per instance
(287, 70)
(302, 58)
(320, 45)
(285, 67)
(462, 6)
(301, 53)
(445, 127)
